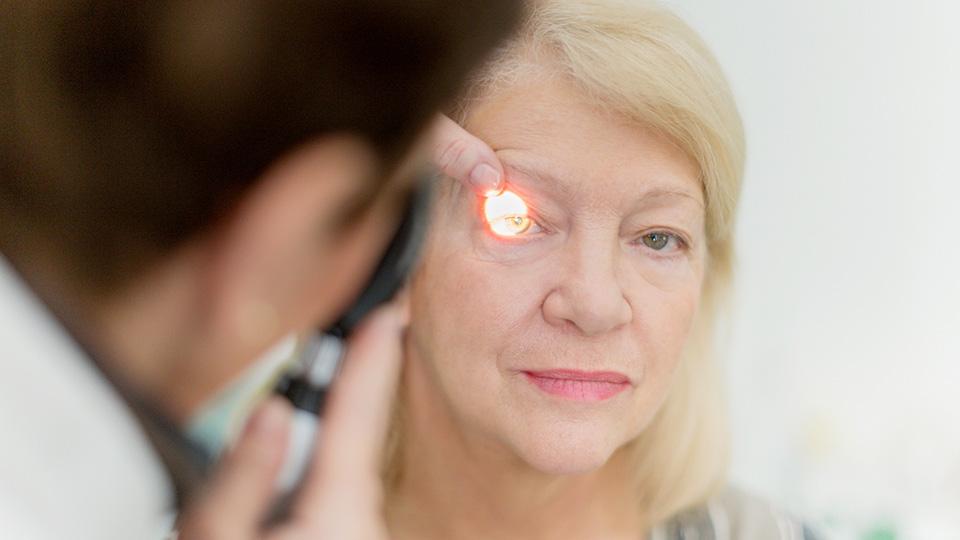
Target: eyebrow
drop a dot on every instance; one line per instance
(542, 177)
(664, 193)
(546, 177)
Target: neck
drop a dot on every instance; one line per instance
(146, 336)
(137, 335)
(456, 485)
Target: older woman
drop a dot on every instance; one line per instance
(558, 381)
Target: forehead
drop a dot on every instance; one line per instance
(546, 130)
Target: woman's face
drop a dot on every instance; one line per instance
(559, 344)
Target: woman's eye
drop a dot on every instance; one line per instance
(513, 225)
(660, 241)
(506, 215)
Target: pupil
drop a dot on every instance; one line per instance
(518, 223)
(656, 240)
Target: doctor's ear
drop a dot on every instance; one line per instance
(293, 251)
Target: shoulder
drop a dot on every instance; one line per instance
(734, 515)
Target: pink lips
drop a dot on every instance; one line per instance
(579, 385)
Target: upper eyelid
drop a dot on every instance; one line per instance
(651, 229)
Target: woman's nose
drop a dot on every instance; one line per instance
(589, 295)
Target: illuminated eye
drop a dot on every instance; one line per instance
(506, 214)
(511, 225)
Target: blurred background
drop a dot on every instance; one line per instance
(843, 353)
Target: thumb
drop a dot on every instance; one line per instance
(242, 489)
(346, 474)
(460, 155)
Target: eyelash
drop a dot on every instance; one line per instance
(526, 233)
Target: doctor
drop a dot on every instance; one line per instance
(181, 185)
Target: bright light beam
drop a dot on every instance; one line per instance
(506, 214)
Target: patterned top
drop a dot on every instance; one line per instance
(733, 515)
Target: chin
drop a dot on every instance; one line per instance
(564, 448)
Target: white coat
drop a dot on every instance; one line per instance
(74, 462)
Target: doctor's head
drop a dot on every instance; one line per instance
(186, 182)
(580, 332)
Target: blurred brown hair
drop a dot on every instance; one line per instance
(127, 127)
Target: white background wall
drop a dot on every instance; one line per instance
(844, 354)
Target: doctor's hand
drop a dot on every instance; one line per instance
(460, 155)
(341, 496)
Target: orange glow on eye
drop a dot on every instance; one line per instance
(506, 214)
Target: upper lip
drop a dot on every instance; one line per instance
(577, 375)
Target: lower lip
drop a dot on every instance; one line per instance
(577, 389)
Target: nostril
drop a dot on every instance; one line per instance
(589, 312)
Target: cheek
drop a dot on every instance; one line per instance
(668, 316)
(465, 314)
(465, 311)
(662, 326)
(665, 297)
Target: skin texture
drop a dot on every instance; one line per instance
(578, 290)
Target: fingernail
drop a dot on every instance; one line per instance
(485, 178)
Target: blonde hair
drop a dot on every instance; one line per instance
(644, 63)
